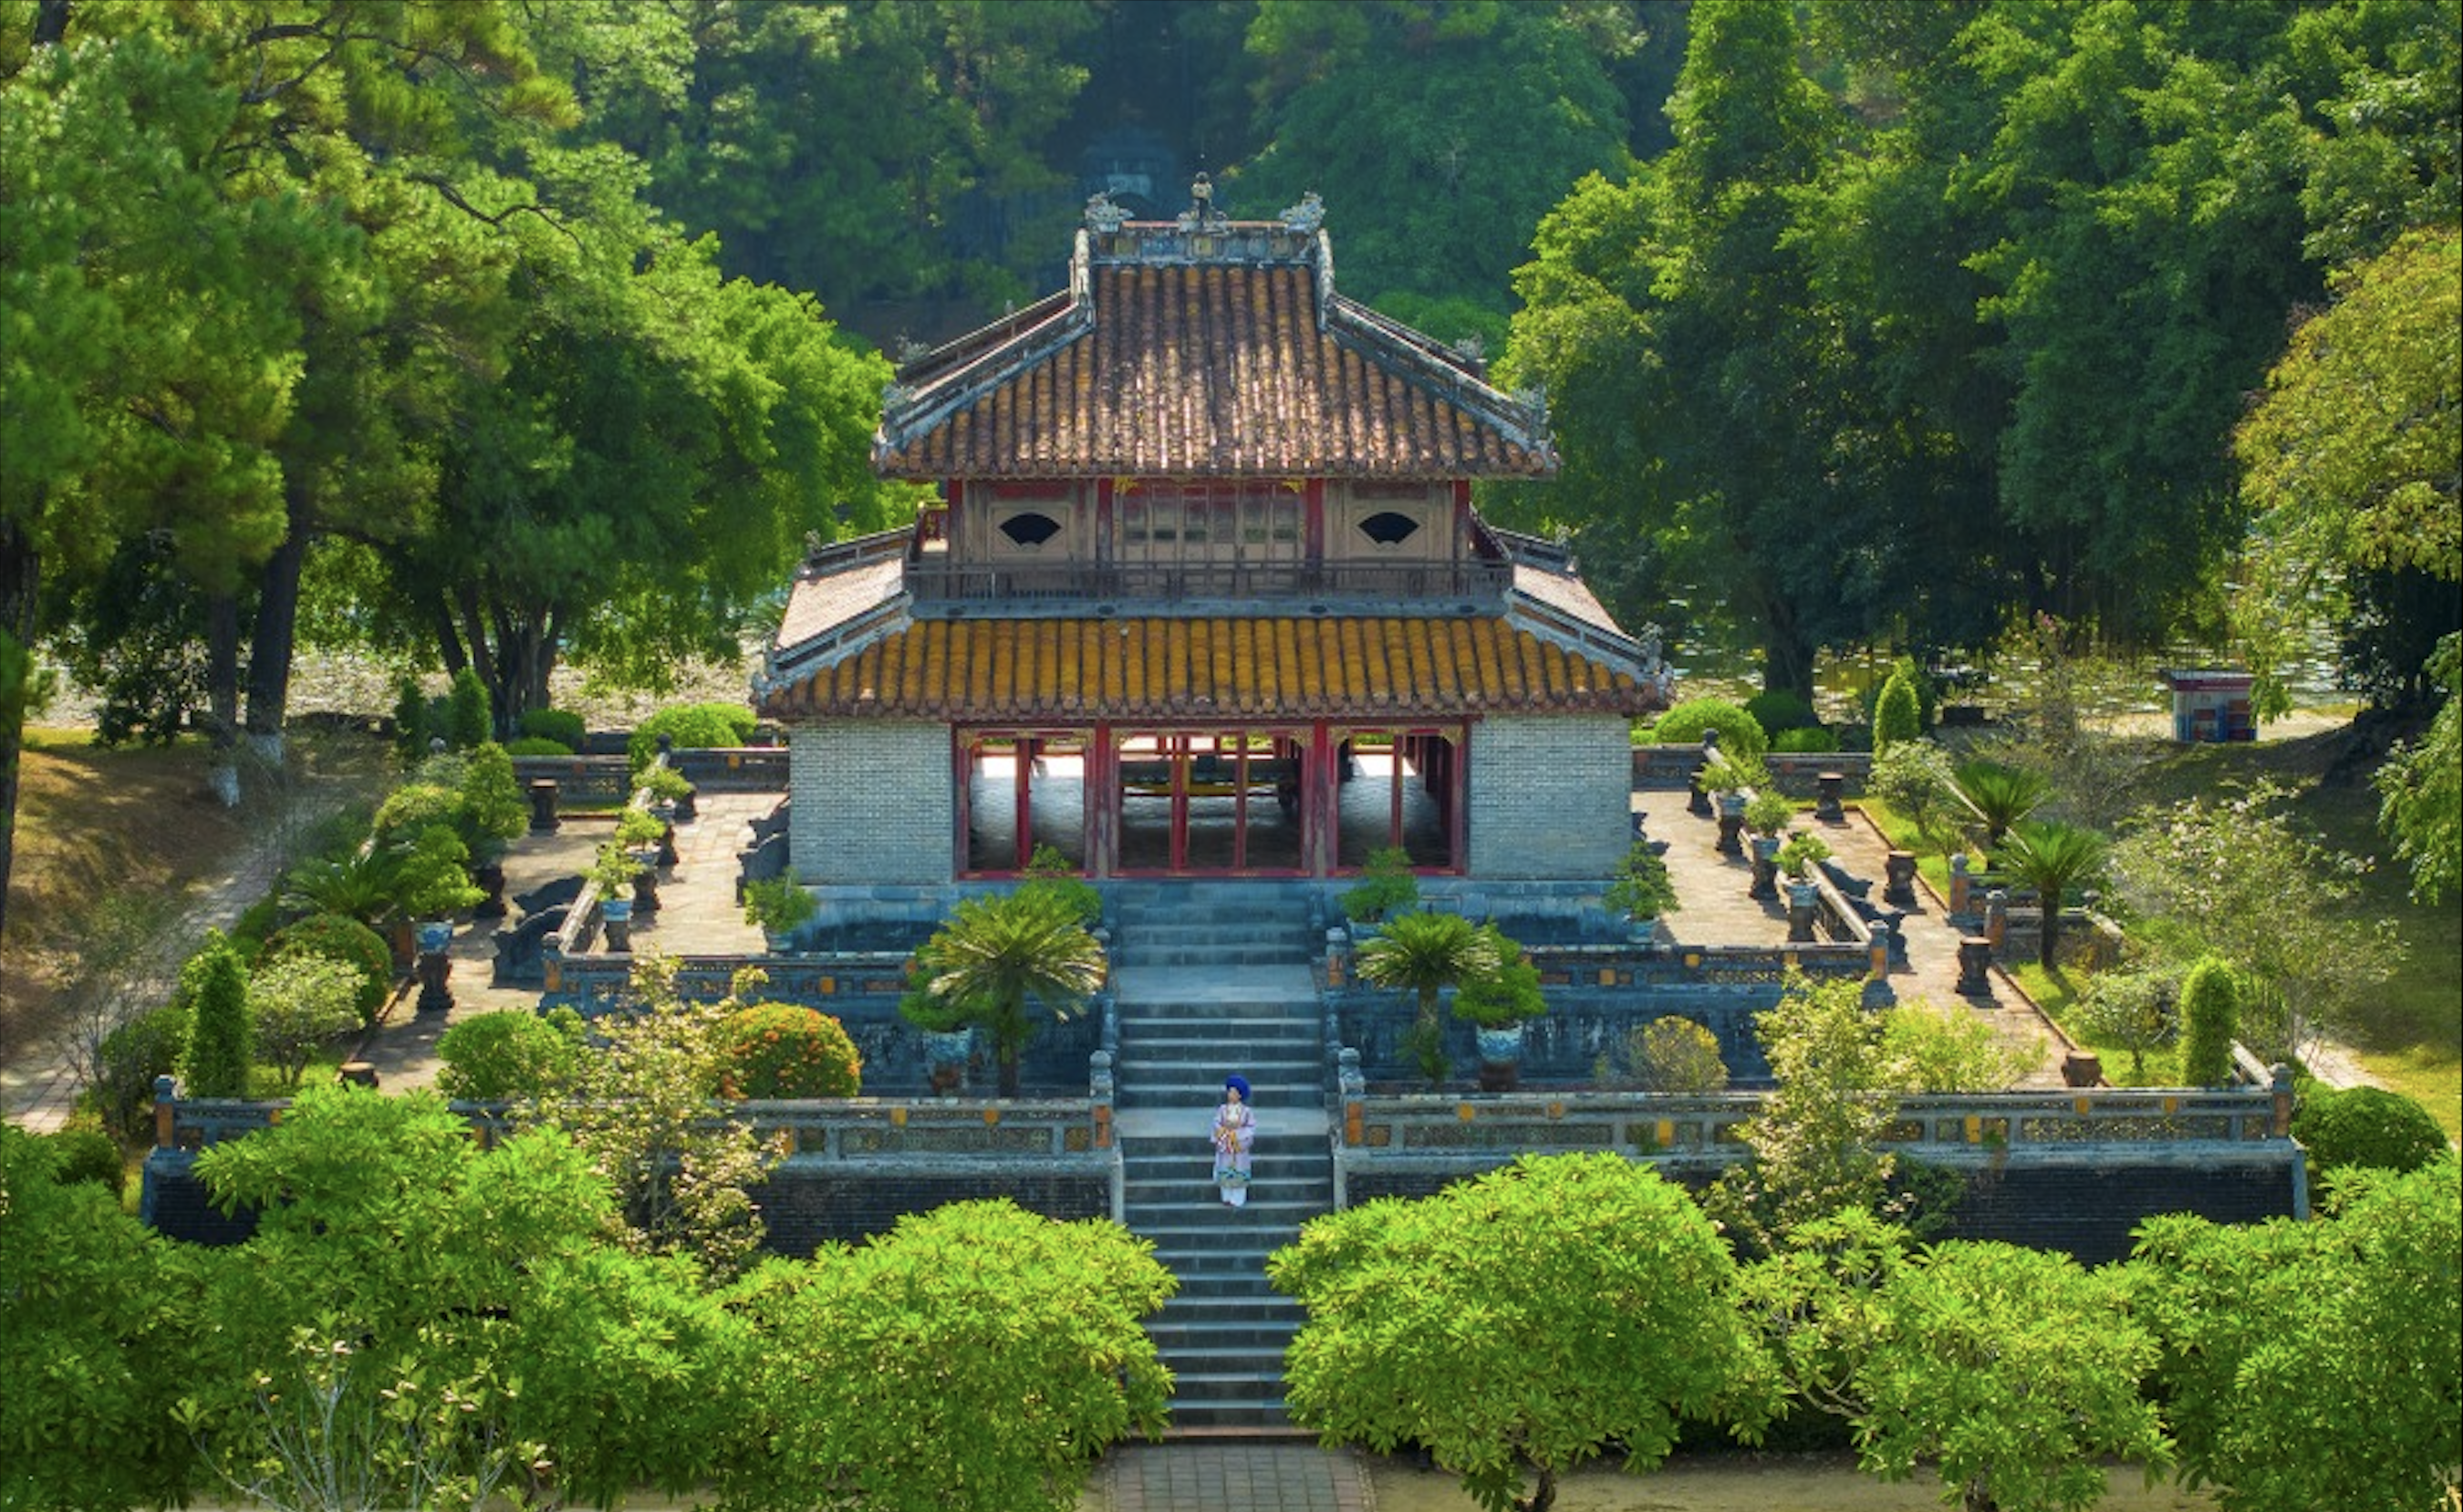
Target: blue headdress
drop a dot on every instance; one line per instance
(1237, 1084)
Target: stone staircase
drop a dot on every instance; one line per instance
(1210, 982)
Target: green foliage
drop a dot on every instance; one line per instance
(2228, 875)
(1816, 1140)
(537, 746)
(2052, 859)
(446, 1311)
(494, 814)
(997, 955)
(2316, 1364)
(778, 905)
(410, 727)
(1506, 996)
(510, 1055)
(1811, 740)
(2365, 1126)
(1929, 1049)
(433, 877)
(1517, 1324)
(1386, 886)
(690, 727)
(413, 807)
(1895, 714)
(563, 726)
(2210, 1019)
(1426, 952)
(1676, 1057)
(664, 784)
(468, 720)
(2014, 1372)
(96, 1305)
(1798, 855)
(1048, 871)
(1731, 772)
(612, 869)
(343, 940)
(1740, 734)
(1916, 780)
(1998, 796)
(1768, 811)
(778, 1049)
(1641, 888)
(84, 1155)
(1925, 687)
(221, 1046)
(1013, 1353)
(639, 830)
(2138, 1010)
(296, 1002)
(1779, 710)
(2420, 787)
(153, 1044)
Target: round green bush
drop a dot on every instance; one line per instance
(690, 727)
(414, 806)
(1740, 734)
(561, 725)
(537, 746)
(86, 1154)
(129, 1059)
(777, 1050)
(499, 1057)
(1776, 711)
(339, 937)
(2365, 1126)
(1814, 741)
(1897, 714)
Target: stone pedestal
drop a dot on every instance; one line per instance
(490, 879)
(435, 972)
(356, 1073)
(1699, 804)
(667, 855)
(1975, 968)
(1996, 916)
(1899, 879)
(646, 891)
(543, 819)
(1803, 903)
(1828, 788)
(1732, 823)
(616, 925)
(1765, 867)
(2081, 1068)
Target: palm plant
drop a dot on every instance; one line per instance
(1427, 953)
(2050, 857)
(998, 955)
(1998, 796)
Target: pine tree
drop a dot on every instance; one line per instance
(221, 1048)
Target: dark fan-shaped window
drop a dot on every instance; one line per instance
(1387, 528)
(1030, 528)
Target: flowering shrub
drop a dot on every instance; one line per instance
(776, 1049)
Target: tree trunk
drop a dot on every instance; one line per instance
(222, 693)
(277, 629)
(20, 583)
(1787, 660)
(1543, 1490)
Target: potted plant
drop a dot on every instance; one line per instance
(612, 871)
(778, 906)
(948, 1026)
(1796, 861)
(1049, 871)
(669, 787)
(1387, 887)
(1497, 1006)
(998, 955)
(1643, 890)
(1768, 813)
(1424, 954)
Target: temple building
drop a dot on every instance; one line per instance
(1203, 595)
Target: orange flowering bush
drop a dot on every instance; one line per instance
(777, 1050)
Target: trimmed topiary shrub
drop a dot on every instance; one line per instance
(413, 807)
(1740, 734)
(1811, 740)
(561, 725)
(86, 1154)
(1777, 709)
(337, 937)
(537, 746)
(469, 721)
(690, 727)
(2210, 1018)
(1927, 693)
(2365, 1126)
(1897, 716)
(501, 1057)
(221, 1051)
(778, 1049)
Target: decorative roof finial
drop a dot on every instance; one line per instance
(1306, 216)
(1201, 209)
(1102, 215)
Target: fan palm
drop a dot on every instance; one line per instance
(2051, 857)
(1427, 953)
(1998, 796)
(998, 955)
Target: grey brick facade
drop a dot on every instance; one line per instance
(873, 801)
(1549, 796)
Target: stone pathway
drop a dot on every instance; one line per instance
(1716, 910)
(1198, 1477)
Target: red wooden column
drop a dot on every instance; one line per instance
(1320, 805)
(1312, 522)
(1101, 801)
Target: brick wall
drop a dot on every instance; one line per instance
(1549, 796)
(872, 802)
(808, 1207)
